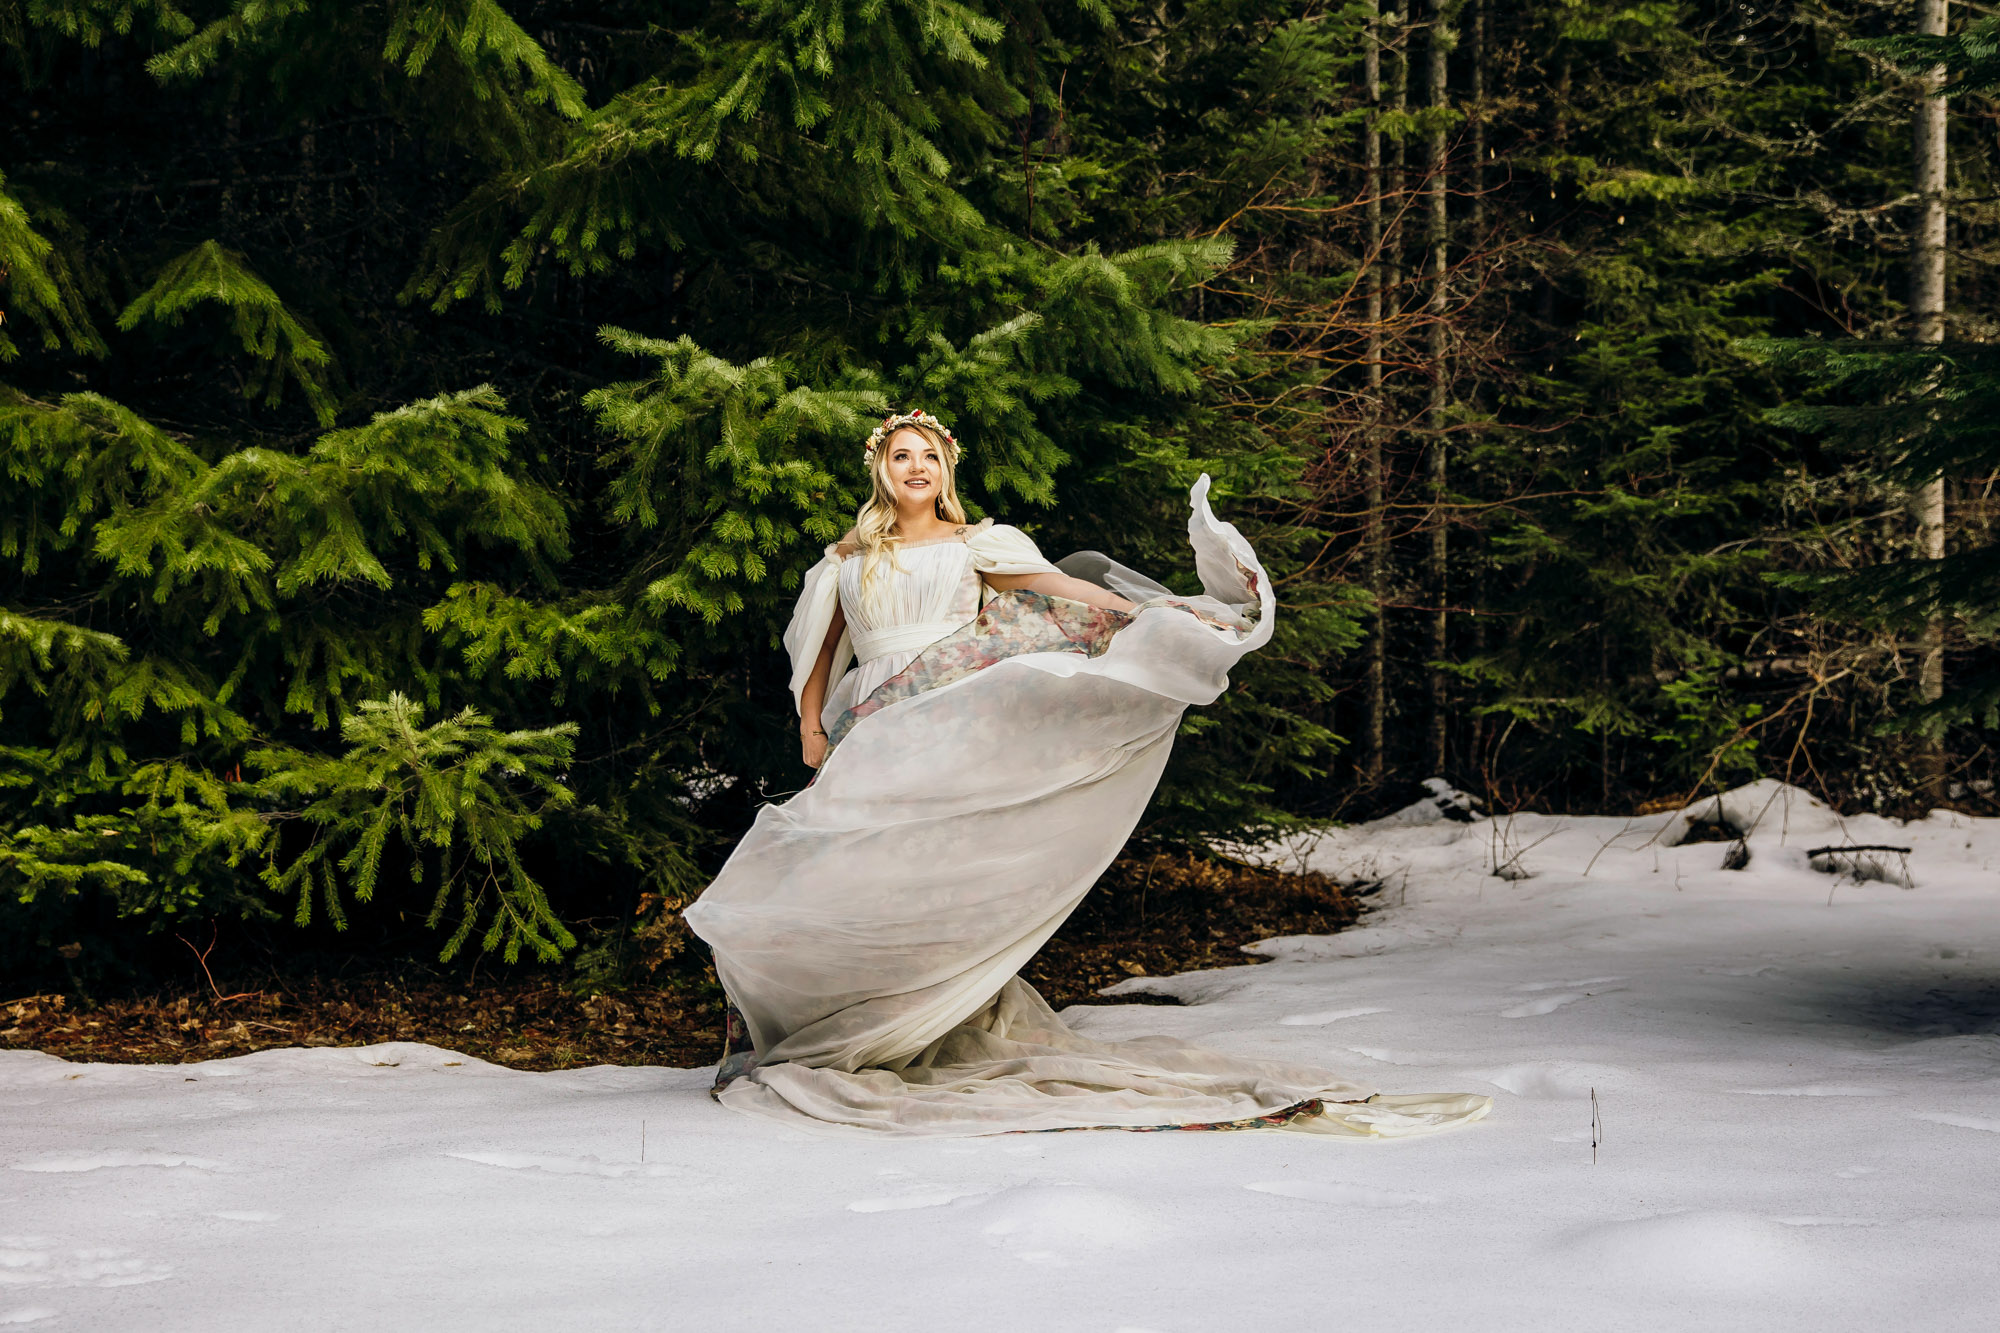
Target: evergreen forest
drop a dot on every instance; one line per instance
(417, 416)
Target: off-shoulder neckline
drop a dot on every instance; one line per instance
(971, 530)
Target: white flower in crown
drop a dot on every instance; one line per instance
(916, 418)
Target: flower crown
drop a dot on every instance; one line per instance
(916, 418)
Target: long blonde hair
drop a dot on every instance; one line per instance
(873, 526)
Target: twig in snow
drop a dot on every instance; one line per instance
(1603, 846)
(1503, 840)
(1302, 849)
(1596, 1127)
(1860, 869)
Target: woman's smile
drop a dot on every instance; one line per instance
(915, 471)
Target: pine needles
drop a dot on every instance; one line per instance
(459, 794)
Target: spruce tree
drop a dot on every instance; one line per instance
(1916, 413)
(511, 380)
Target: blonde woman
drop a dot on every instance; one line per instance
(914, 570)
(1003, 724)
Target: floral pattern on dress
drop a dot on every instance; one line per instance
(1278, 1119)
(1010, 625)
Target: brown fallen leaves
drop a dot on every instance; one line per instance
(535, 1024)
(1158, 915)
(1148, 916)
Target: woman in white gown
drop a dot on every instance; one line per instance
(1003, 727)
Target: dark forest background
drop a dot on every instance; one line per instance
(416, 415)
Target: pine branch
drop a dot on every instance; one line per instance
(850, 100)
(248, 23)
(1972, 54)
(459, 782)
(39, 280)
(267, 331)
(91, 21)
(497, 56)
(726, 459)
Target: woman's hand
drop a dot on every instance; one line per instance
(812, 699)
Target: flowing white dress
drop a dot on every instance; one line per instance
(870, 928)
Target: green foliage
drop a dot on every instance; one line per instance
(494, 52)
(113, 859)
(460, 793)
(687, 254)
(588, 640)
(280, 347)
(725, 459)
(41, 285)
(788, 217)
(1629, 495)
(251, 554)
(1970, 56)
(833, 115)
(150, 857)
(1710, 729)
(248, 23)
(91, 21)
(1914, 412)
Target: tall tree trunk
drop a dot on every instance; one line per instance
(1927, 326)
(1375, 684)
(1475, 112)
(1398, 48)
(1469, 387)
(1437, 47)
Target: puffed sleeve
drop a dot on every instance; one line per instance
(806, 635)
(1000, 549)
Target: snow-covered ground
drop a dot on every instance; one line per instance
(1800, 1111)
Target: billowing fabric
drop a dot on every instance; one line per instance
(870, 928)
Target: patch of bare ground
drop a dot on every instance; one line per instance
(1158, 915)
(537, 1024)
(1148, 916)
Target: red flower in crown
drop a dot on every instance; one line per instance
(916, 418)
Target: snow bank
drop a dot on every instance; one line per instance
(1799, 1107)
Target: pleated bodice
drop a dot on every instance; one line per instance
(926, 592)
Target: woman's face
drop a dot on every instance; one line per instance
(914, 469)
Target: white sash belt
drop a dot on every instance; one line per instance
(870, 644)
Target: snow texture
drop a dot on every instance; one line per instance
(1800, 1111)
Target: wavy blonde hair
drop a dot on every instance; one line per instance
(874, 526)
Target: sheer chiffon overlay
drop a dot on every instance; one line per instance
(990, 762)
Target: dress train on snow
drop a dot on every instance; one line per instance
(870, 928)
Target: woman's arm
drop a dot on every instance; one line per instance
(812, 699)
(1060, 585)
